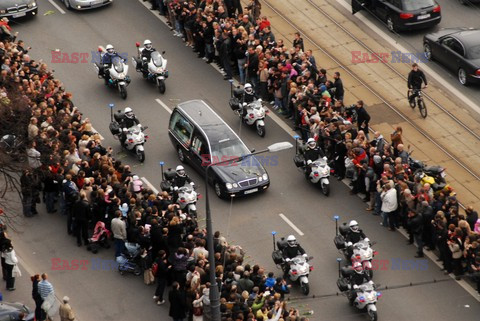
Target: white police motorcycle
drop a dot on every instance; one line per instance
(366, 295)
(156, 69)
(118, 73)
(255, 112)
(320, 170)
(299, 267)
(134, 136)
(187, 199)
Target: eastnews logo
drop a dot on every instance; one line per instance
(94, 264)
(385, 57)
(395, 264)
(59, 57)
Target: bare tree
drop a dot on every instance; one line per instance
(15, 113)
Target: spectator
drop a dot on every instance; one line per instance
(177, 303)
(119, 231)
(66, 311)
(8, 253)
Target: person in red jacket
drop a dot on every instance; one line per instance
(360, 156)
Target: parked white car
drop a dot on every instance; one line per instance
(85, 4)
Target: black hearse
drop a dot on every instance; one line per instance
(201, 137)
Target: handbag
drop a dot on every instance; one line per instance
(16, 271)
(148, 277)
(197, 311)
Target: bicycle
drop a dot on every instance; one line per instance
(418, 101)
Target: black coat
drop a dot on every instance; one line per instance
(415, 224)
(363, 116)
(177, 304)
(81, 211)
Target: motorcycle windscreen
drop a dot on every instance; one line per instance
(118, 65)
(157, 59)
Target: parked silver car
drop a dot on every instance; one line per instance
(85, 4)
(18, 8)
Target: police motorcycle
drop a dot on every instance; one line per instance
(153, 69)
(360, 251)
(364, 295)
(117, 71)
(317, 171)
(186, 195)
(254, 114)
(297, 268)
(133, 138)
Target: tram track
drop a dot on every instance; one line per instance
(432, 102)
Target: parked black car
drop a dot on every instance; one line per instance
(201, 137)
(458, 49)
(402, 14)
(467, 2)
(18, 8)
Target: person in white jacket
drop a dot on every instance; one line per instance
(389, 206)
(10, 261)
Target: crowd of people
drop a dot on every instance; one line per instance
(242, 42)
(73, 173)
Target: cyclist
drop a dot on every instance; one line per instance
(415, 79)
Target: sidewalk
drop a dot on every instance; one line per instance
(389, 86)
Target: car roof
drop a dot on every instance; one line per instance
(468, 37)
(204, 117)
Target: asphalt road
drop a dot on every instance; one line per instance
(454, 15)
(247, 221)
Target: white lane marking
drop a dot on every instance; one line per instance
(56, 6)
(395, 44)
(149, 185)
(291, 224)
(164, 105)
(96, 131)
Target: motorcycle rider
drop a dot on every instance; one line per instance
(181, 177)
(358, 278)
(355, 235)
(129, 120)
(249, 96)
(107, 59)
(292, 250)
(311, 153)
(415, 79)
(147, 53)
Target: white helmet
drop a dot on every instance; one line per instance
(128, 112)
(357, 266)
(148, 44)
(353, 226)
(291, 240)
(109, 48)
(180, 170)
(248, 88)
(311, 143)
